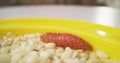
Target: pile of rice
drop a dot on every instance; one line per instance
(29, 49)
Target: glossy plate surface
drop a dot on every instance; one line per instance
(100, 37)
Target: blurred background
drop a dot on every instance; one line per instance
(105, 12)
(111, 3)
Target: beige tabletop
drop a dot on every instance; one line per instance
(97, 14)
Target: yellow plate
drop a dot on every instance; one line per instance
(100, 37)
